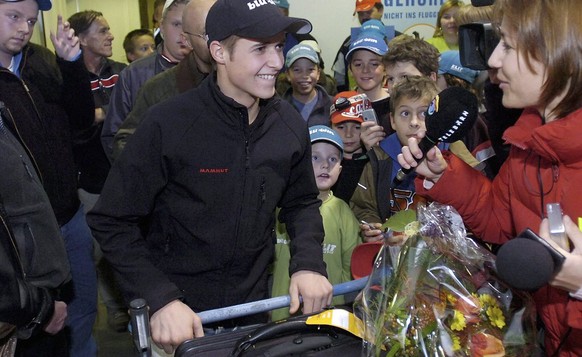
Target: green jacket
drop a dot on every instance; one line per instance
(341, 237)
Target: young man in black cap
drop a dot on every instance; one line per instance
(187, 214)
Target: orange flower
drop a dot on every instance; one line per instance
(485, 345)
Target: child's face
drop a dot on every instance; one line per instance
(368, 70)
(398, 72)
(303, 75)
(325, 158)
(349, 131)
(249, 71)
(142, 46)
(408, 118)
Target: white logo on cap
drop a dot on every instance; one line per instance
(454, 67)
(322, 130)
(257, 3)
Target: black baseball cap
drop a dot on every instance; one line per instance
(43, 5)
(250, 19)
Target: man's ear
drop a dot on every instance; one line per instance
(217, 51)
(433, 76)
(82, 41)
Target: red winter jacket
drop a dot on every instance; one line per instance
(497, 211)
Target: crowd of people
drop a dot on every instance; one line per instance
(222, 165)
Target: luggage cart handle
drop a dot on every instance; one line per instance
(250, 308)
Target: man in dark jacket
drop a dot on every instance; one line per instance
(96, 40)
(187, 214)
(33, 261)
(50, 97)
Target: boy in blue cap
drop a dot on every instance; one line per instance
(340, 225)
(451, 72)
(309, 98)
(365, 62)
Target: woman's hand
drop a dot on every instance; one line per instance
(569, 277)
(431, 167)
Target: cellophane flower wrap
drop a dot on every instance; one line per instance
(441, 297)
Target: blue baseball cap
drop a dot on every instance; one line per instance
(450, 62)
(370, 41)
(325, 133)
(301, 51)
(282, 3)
(373, 25)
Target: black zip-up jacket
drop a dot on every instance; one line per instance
(207, 183)
(52, 98)
(33, 260)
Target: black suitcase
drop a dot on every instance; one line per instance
(290, 337)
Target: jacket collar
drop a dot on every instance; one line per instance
(230, 105)
(557, 141)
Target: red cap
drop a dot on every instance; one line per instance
(365, 5)
(348, 106)
(363, 258)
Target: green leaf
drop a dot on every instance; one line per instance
(394, 350)
(399, 220)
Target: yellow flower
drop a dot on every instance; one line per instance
(456, 343)
(452, 299)
(459, 322)
(496, 316)
(487, 300)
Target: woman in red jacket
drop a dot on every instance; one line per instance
(539, 68)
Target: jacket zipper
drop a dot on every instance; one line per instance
(243, 122)
(24, 61)
(8, 116)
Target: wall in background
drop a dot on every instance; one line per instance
(331, 19)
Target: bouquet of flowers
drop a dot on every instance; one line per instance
(441, 297)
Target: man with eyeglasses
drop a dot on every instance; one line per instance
(172, 50)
